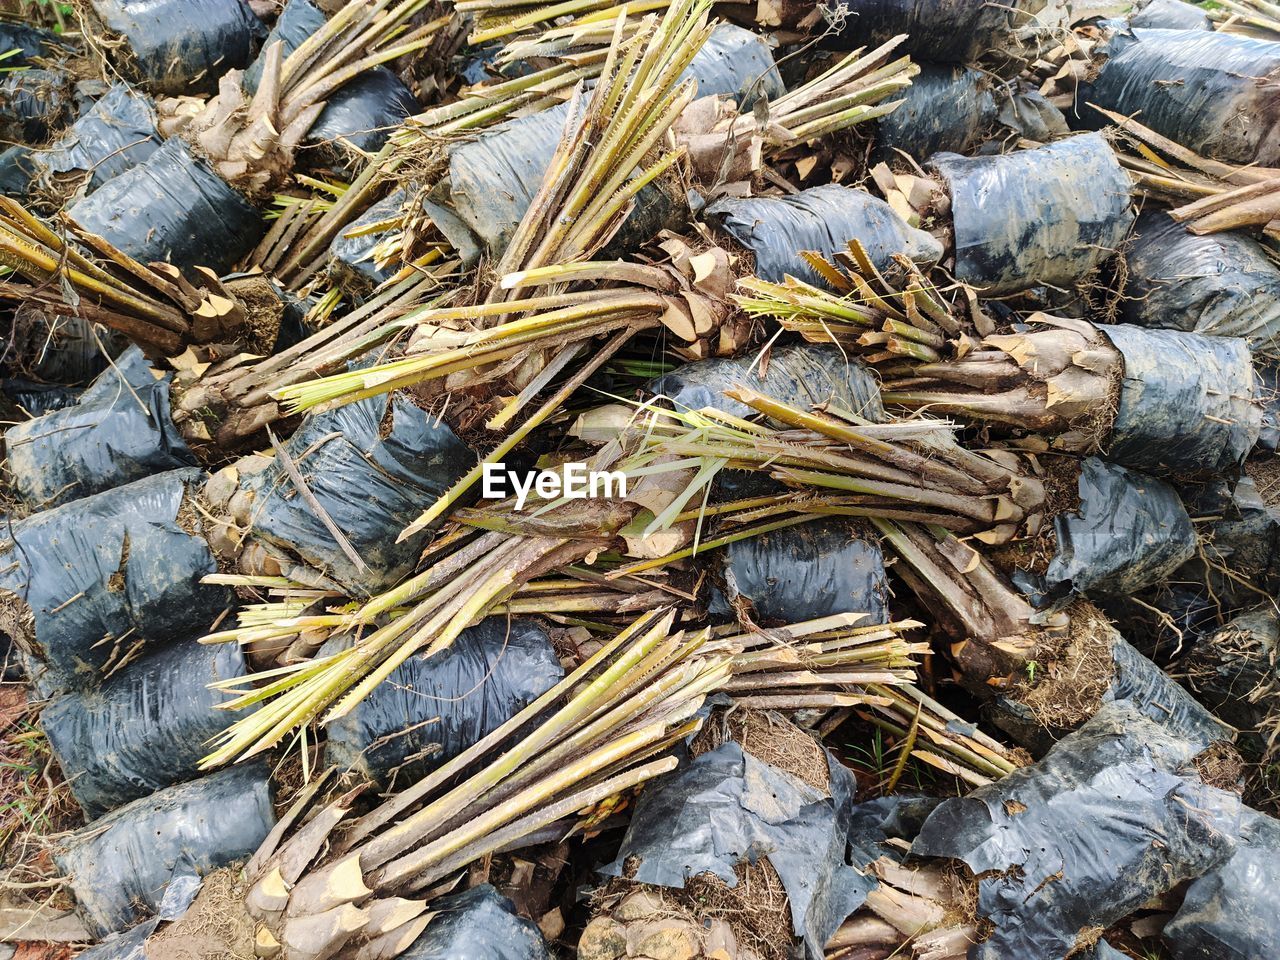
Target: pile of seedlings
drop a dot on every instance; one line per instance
(664, 480)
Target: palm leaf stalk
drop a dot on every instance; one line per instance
(1210, 196)
(1253, 17)
(366, 889)
(909, 470)
(156, 305)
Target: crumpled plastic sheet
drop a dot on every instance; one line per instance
(374, 466)
(1112, 817)
(949, 31)
(39, 398)
(1233, 911)
(34, 104)
(120, 865)
(432, 708)
(70, 566)
(1196, 87)
(1130, 530)
(823, 220)
(30, 41)
(811, 570)
(118, 132)
(1047, 215)
(1026, 112)
(803, 375)
(493, 178)
(1242, 535)
(119, 431)
(172, 207)
(947, 107)
(727, 807)
(478, 924)
(1186, 402)
(145, 727)
(351, 258)
(1242, 658)
(182, 46)
(1171, 15)
(131, 945)
(1222, 284)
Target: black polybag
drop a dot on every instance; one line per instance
(1186, 402)
(803, 572)
(493, 178)
(34, 104)
(727, 807)
(431, 708)
(1047, 215)
(950, 31)
(1212, 92)
(1171, 15)
(31, 42)
(172, 207)
(802, 375)
(1130, 531)
(118, 132)
(363, 113)
(130, 945)
(297, 21)
(103, 574)
(143, 728)
(477, 924)
(64, 348)
(181, 46)
(947, 107)
(374, 466)
(118, 432)
(351, 258)
(39, 398)
(823, 220)
(1235, 671)
(121, 864)
(1233, 911)
(1112, 817)
(1221, 284)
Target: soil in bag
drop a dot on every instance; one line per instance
(1212, 92)
(1048, 215)
(1112, 817)
(88, 583)
(172, 207)
(119, 431)
(143, 728)
(821, 219)
(373, 466)
(493, 178)
(120, 865)
(431, 708)
(177, 46)
(1222, 284)
(1235, 672)
(815, 569)
(477, 923)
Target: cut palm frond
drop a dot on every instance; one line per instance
(608, 727)
(1252, 17)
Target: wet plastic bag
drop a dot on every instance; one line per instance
(1047, 215)
(118, 432)
(946, 108)
(1130, 531)
(374, 466)
(821, 219)
(1235, 671)
(477, 924)
(351, 258)
(804, 572)
(432, 708)
(803, 375)
(121, 864)
(728, 807)
(172, 207)
(1113, 816)
(143, 728)
(82, 584)
(1233, 912)
(34, 104)
(117, 133)
(493, 178)
(1223, 284)
(1171, 15)
(1186, 402)
(1215, 93)
(181, 46)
